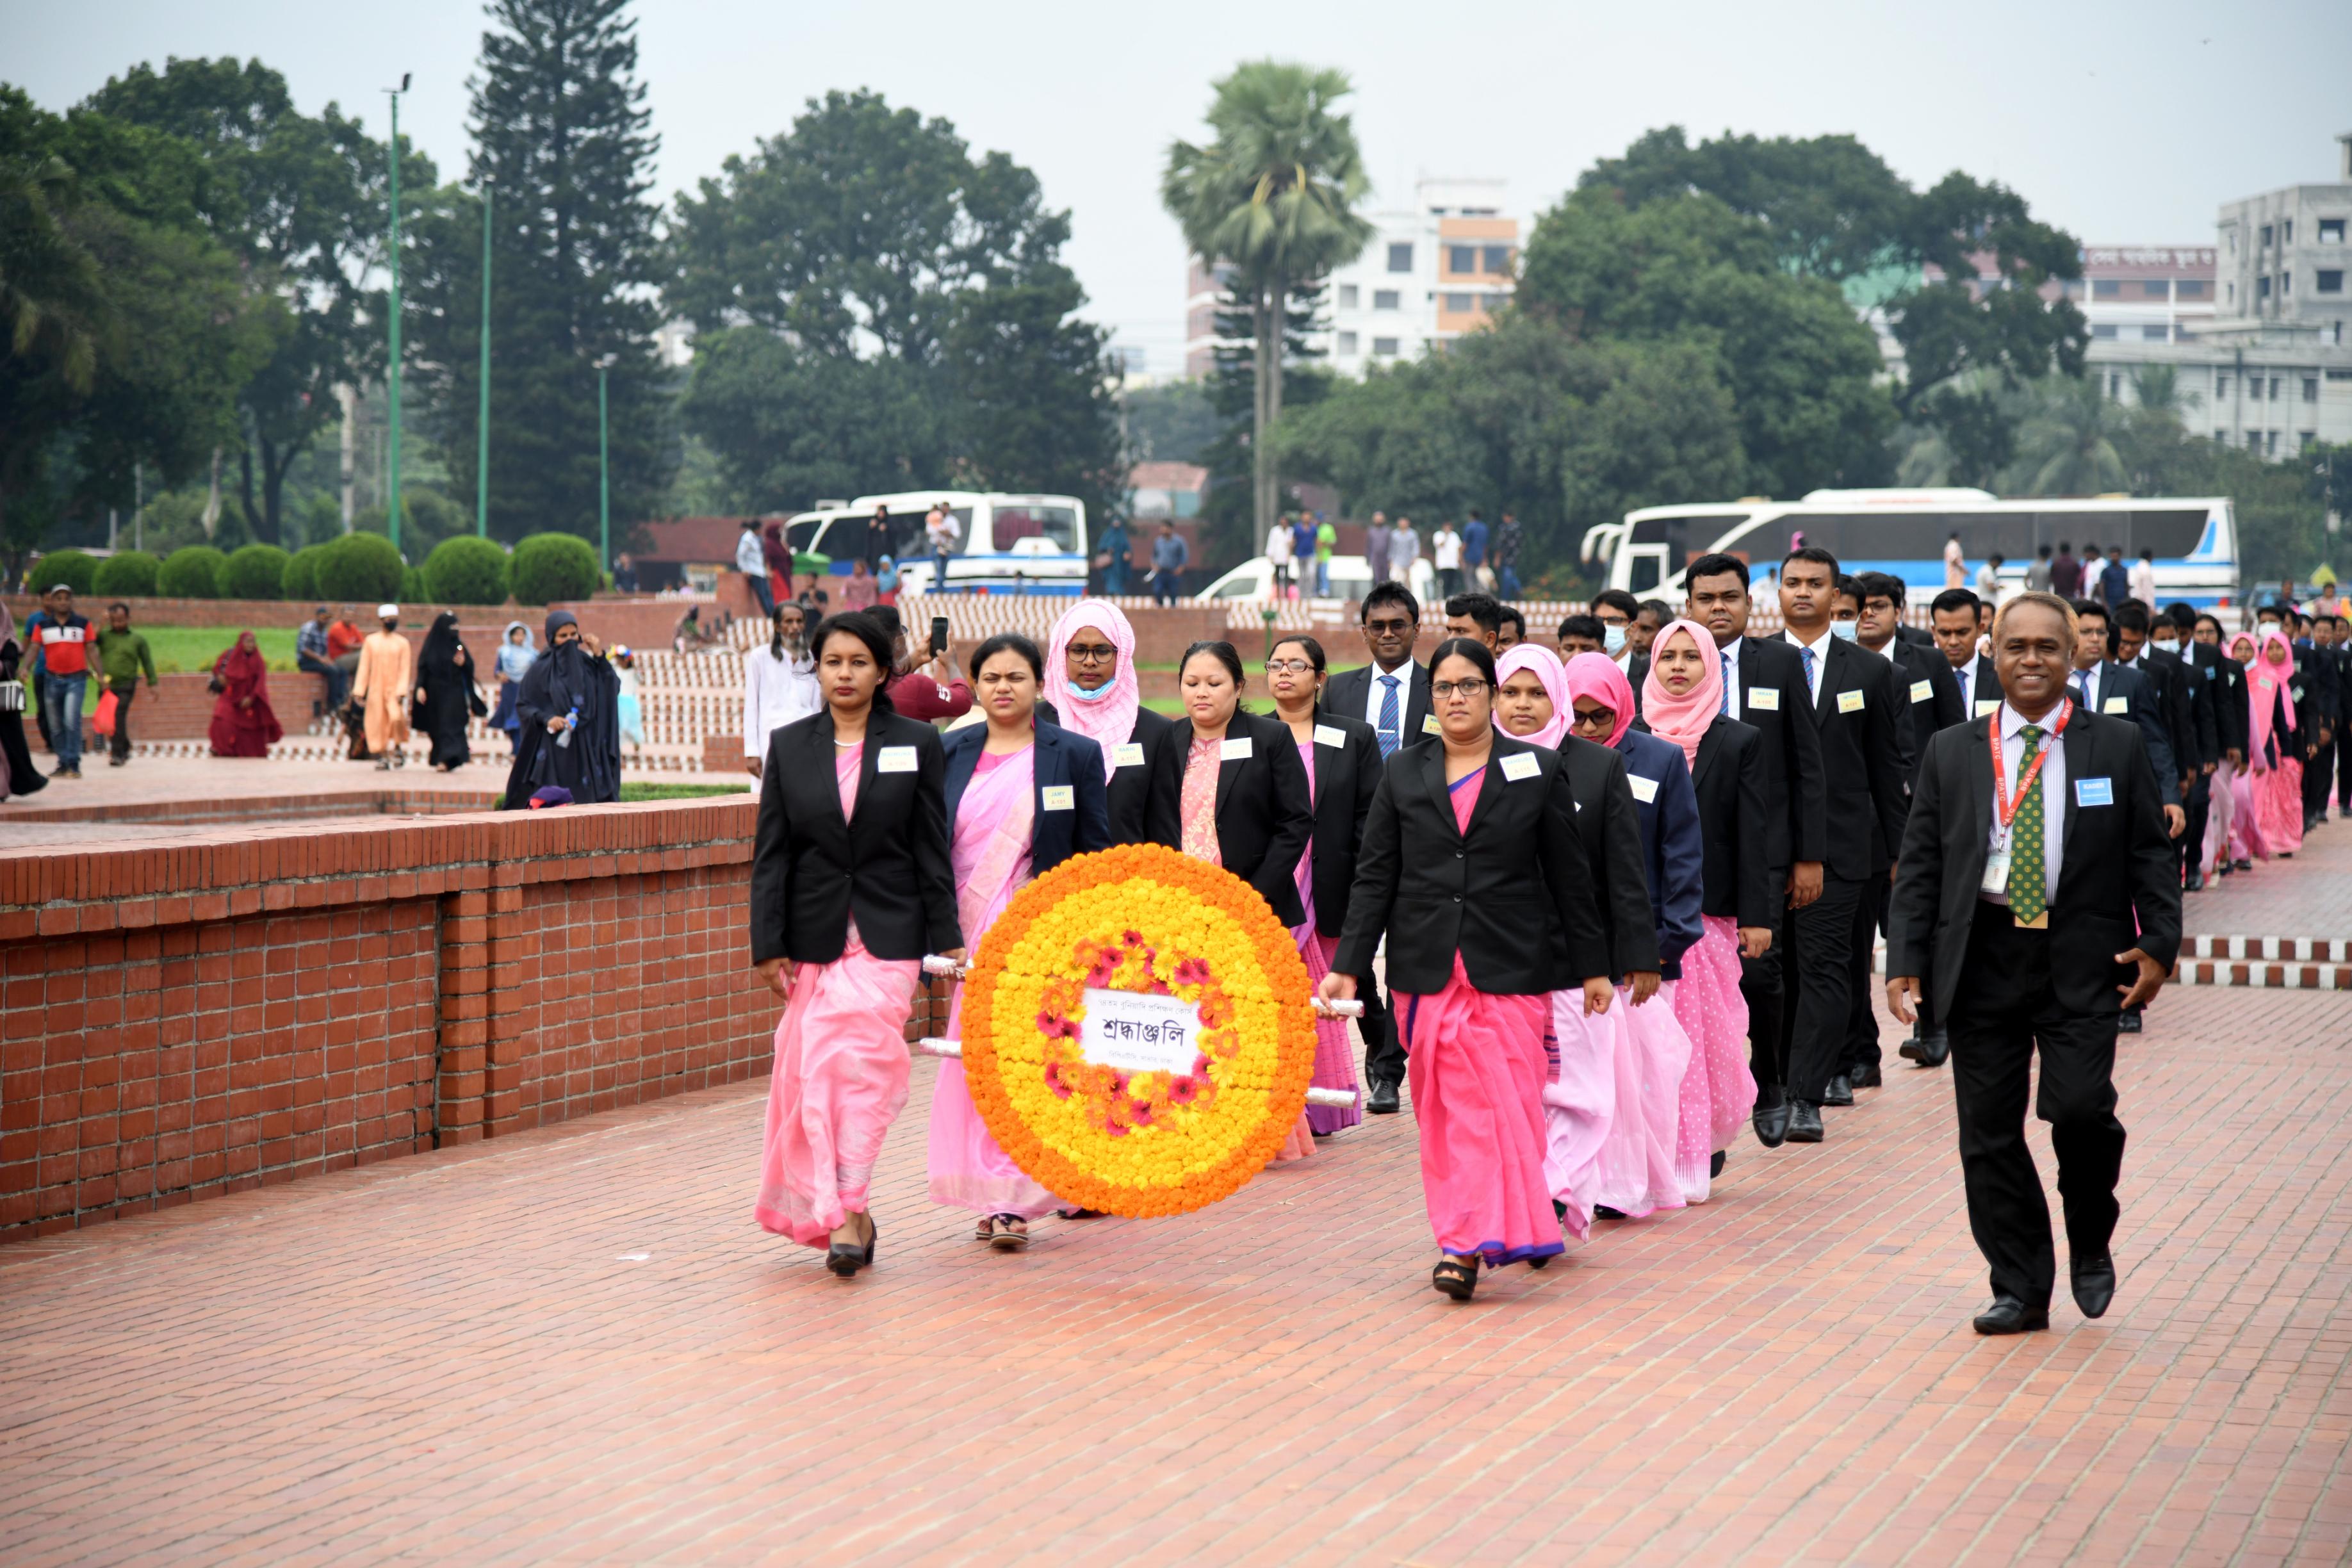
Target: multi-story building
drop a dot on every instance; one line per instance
(1429, 274)
(2144, 293)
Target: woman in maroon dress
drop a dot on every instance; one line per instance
(243, 725)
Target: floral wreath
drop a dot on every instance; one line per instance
(1140, 918)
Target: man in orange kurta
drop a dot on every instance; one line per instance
(383, 686)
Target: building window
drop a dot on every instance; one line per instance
(2270, 445)
(2311, 389)
(2233, 293)
(2266, 236)
(2287, 236)
(1384, 298)
(1461, 305)
(1399, 258)
(1498, 260)
(2308, 439)
(2154, 335)
(1461, 260)
(2331, 231)
(2106, 289)
(2275, 385)
(2263, 287)
(2156, 289)
(2193, 288)
(2103, 329)
(2286, 282)
(1350, 295)
(2221, 390)
(1384, 348)
(1347, 343)
(2114, 387)
(2254, 388)
(2330, 280)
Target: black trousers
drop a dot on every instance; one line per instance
(2316, 772)
(1761, 987)
(1861, 1023)
(1818, 973)
(120, 743)
(1383, 1057)
(2190, 846)
(2005, 1012)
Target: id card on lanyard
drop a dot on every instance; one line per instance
(2004, 805)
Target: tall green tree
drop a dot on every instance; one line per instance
(561, 143)
(299, 199)
(1274, 193)
(2067, 447)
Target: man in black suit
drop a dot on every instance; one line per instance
(1392, 695)
(2158, 649)
(2024, 912)
(1955, 615)
(1765, 689)
(2203, 662)
(2115, 690)
(1865, 748)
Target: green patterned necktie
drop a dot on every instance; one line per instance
(2027, 899)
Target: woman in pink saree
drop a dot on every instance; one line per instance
(1023, 798)
(851, 885)
(2274, 743)
(2242, 842)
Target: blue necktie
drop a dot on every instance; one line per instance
(1727, 682)
(1808, 653)
(1390, 739)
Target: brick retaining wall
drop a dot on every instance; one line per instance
(265, 1002)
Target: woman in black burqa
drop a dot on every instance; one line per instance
(571, 691)
(445, 699)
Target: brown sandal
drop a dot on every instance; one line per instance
(1005, 1239)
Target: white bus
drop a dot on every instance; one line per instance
(1902, 532)
(1009, 543)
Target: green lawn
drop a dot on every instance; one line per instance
(678, 791)
(191, 650)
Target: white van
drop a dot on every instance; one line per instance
(1251, 581)
(1012, 544)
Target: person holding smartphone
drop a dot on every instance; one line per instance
(930, 690)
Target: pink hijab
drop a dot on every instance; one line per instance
(1684, 720)
(1596, 675)
(1109, 718)
(1546, 664)
(2266, 678)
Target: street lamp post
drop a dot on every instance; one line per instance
(482, 436)
(604, 471)
(392, 359)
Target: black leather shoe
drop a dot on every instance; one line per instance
(1771, 1122)
(2008, 1315)
(2094, 1284)
(1715, 1164)
(2127, 1023)
(1840, 1090)
(1930, 1050)
(1383, 1101)
(1804, 1122)
(2196, 883)
(1866, 1075)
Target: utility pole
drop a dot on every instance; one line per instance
(392, 362)
(482, 437)
(604, 472)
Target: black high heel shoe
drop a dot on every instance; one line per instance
(846, 1258)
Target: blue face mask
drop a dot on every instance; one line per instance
(1612, 637)
(1848, 630)
(1098, 694)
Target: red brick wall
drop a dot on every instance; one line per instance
(265, 1002)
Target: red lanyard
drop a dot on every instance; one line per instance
(2007, 805)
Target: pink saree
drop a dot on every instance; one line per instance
(840, 1078)
(1335, 1063)
(990, 852)
(1580, 1101)
(1718, 1088)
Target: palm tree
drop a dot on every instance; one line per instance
(1272, 194)
(2158, 390)
(2068, 445)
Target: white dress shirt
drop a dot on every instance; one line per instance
(776, 693)
(2052, 786)
(1966, 674)
(1730, 650)
(1821, 659)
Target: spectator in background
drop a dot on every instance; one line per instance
(813, 597)
(516, 654)
(343, 641)
(942, 534)
(1956, 565)
(386, 675)
(1376, 546)
(243, 724)
(1508, 538)
(1302, 546)
(2037, 572)
(1278, 552)
(879, 545)
(17, 775)
(689, 635)
(780, 564)
(1404, 549)
(1510, 631)
(624, 574)
(1615, 609)
(1169, 555)
(751, 561)
(1474, 553)
(2115, 578)
(857, 589)
(2067, 573)
(1445, 554)
(445, 696)
(1580, 634)
(925, 690)
(2143, 577)
(1114, 550)
(779, 683)
(1647, 620)
(1989, 579)
(886, 579)
(60, 640)
(313, 656)
(570, 709)
(1326, 540)
(123, 657)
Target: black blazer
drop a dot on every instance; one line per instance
(1795, 823)
(1263, 815)
(2233, 716)
(887, 865)
(1513, 896)
(1347, 692)
(1738, 885)
(1637, 674)
(1144, 783)
(1978, 689)
(2116, 867)
(2182, 688)
(1865, 758)
(1608, 828)
(1930, 693)
(1063, 760)
(1347, 776)
(2120, 683)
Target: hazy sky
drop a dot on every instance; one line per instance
(2124, 123)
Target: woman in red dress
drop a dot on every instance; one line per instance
(243, 725)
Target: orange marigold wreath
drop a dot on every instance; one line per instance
(1112, 1135)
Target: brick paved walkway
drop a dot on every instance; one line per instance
(575, 1346)
(2310, 894)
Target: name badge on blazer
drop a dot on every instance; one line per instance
(1060, 797)
(1765, 697)
(895, 760)
(2295, 692)
(1644, 790)
(1234, 750)
(1849, 701)
(1330, 735)
(1921, 691)
(1429, 725)
(1521, 765)
(2095, 792)
(2115, 705)
(1987, 705)
(1127, 754)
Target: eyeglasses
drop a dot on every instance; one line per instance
(1390, 625)
(1443, 689)
(1093, 653)
(1288, 666)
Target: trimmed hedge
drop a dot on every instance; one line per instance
(127, 574)
(549, 567)
(71, 567)
(301, 582)
(255, 572)
(411, 585)
(192, 572)
(465, 572)
(360, 566)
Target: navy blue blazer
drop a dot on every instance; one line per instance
(1064, 759)
(1673, 851)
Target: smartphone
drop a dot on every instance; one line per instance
(939, 636)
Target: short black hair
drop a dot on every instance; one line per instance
(1513, 618)
(1389, 593)
(1847, 587)
(118, 605)
(1716, 565)
(1008, 642)
(1471, 648)
(1619, 600)
(2092, 607)
(1883, 585)
(2204, 615)
(2182, 615)
(2045, 552)
(1484, 608)
(2131, 615)
(1954, 599)
(1583, 627)
(1813, 553)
